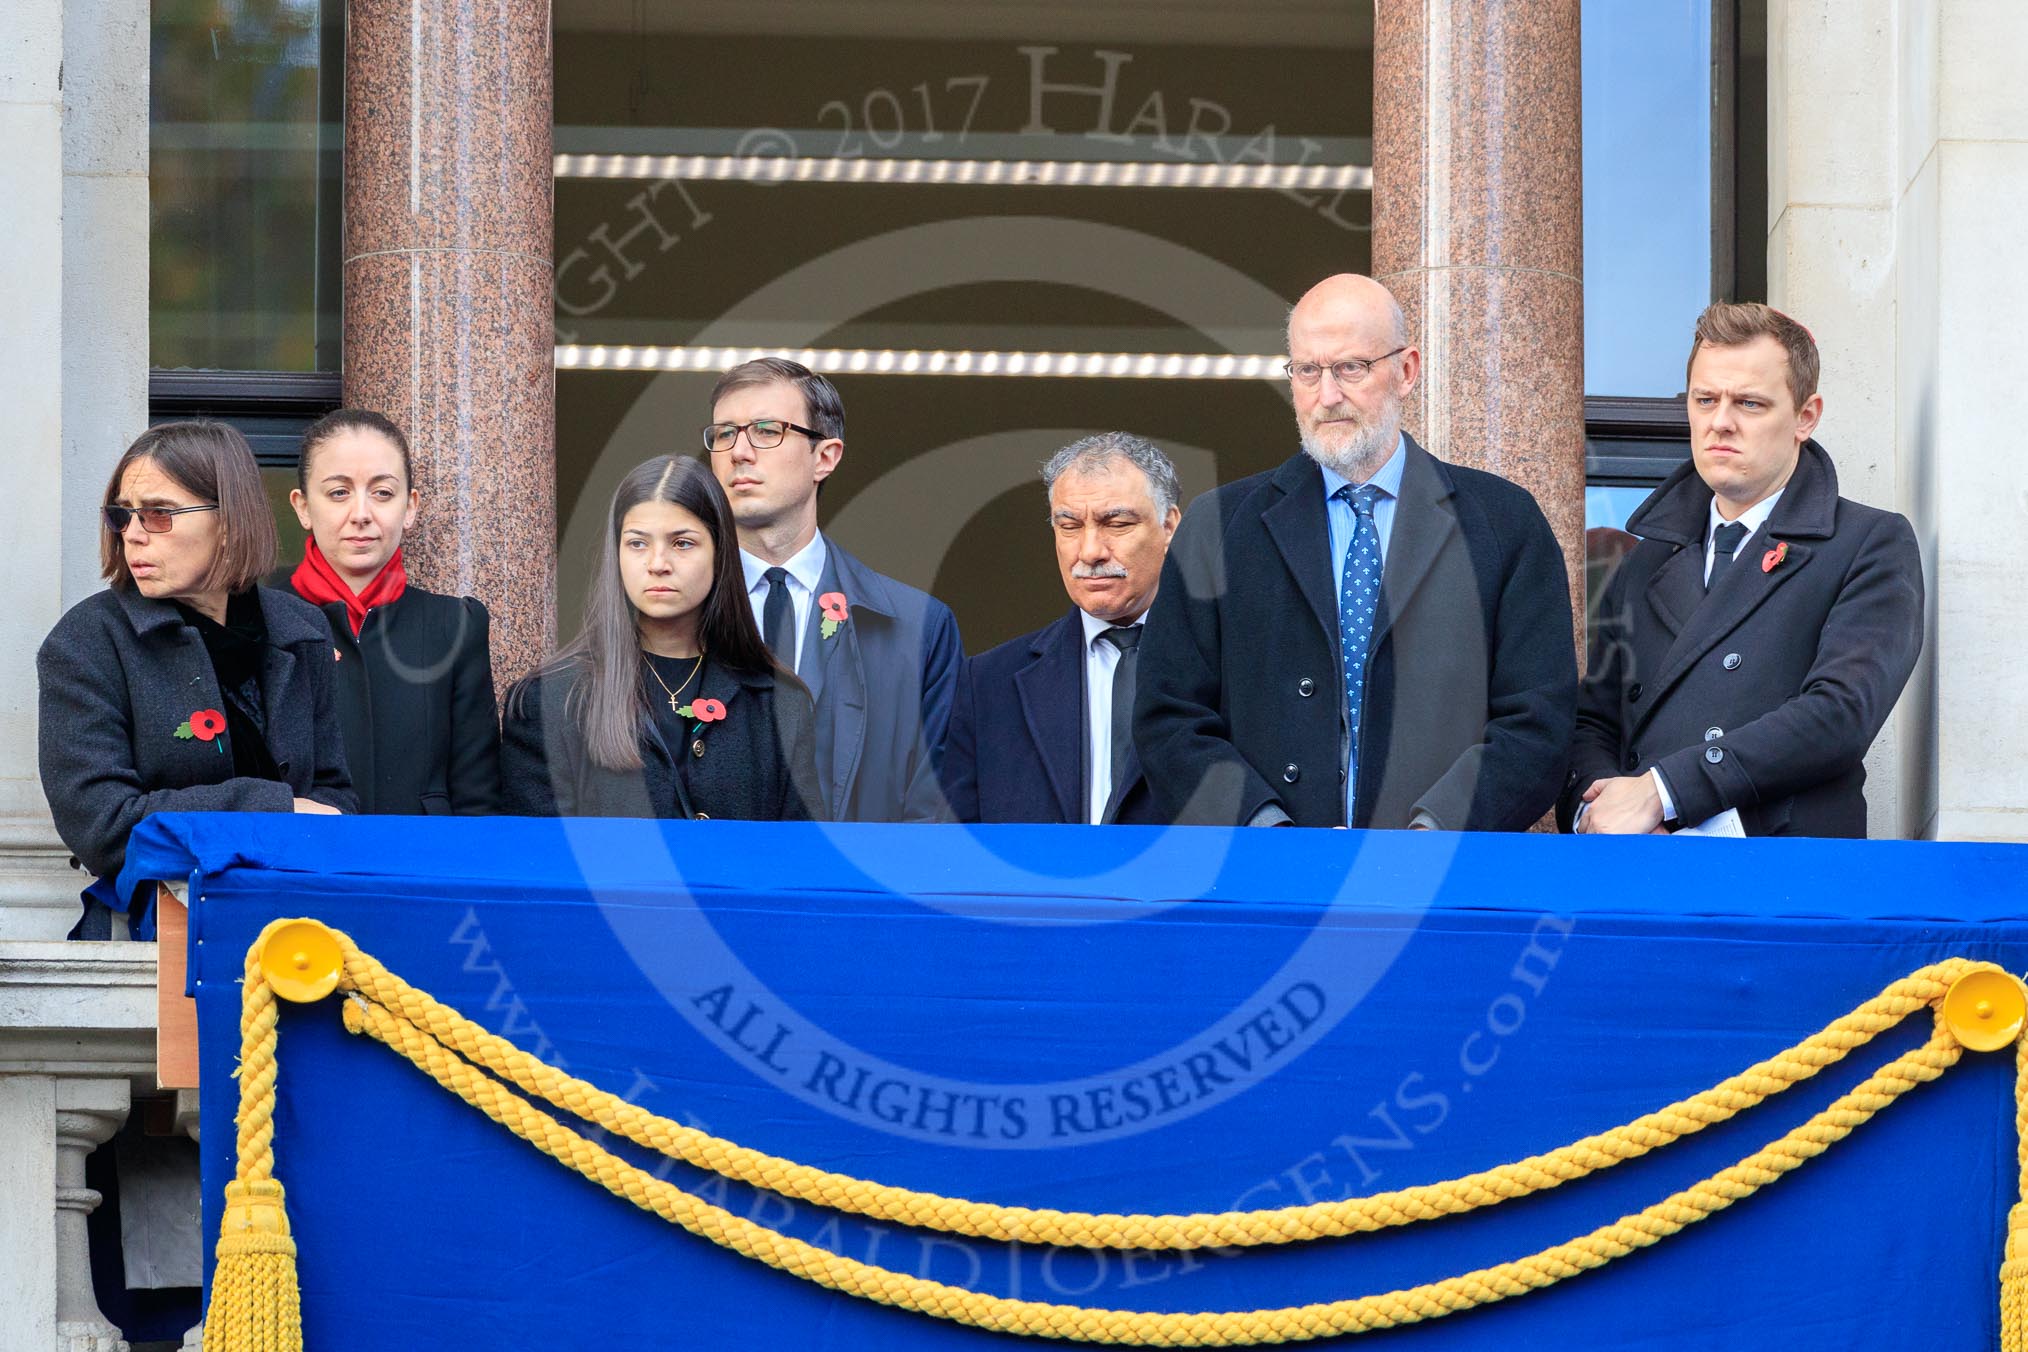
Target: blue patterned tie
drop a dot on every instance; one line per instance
(1358, 600)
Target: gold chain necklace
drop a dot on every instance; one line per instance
(665, 685)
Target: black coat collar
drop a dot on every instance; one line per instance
(287, 623)
(1678, 511)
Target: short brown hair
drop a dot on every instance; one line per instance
(1736, 323)
(820, 396)
(212, 461)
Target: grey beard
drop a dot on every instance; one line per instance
(1359, 461)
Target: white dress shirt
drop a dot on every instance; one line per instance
(1101, 660)
(805, 569)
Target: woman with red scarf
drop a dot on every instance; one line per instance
(415, 681)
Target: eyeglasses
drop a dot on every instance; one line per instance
(762, 434)
(154, 520)
(1346, 373)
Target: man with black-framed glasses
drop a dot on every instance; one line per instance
(777, 432)
(1366, 636)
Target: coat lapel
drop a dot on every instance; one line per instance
(1742, 590)
(1677, 588)
(843, 673)
(1298, 524)
(1424, 523)
(1051, 690)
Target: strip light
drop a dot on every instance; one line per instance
(976, 173)
(919, 362)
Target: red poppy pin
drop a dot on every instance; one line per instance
(204, 726)
(703, 710)
(836, 612)
(1774, 556)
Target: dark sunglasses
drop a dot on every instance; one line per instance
(154, 520)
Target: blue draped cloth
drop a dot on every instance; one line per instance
(1126, 1019)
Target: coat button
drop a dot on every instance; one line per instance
(1732, 661)
(1306, 687)
(697, 747)
(1633, 759)
(1291, 773)
(1634, 692)
(1713, 734)
(1714, 754)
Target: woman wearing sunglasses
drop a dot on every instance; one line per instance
(185, 687)
(415, 681)
(667, 703)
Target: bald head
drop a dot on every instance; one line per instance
(1349, 303)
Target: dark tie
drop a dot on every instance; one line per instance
(1358, 600)
(778, 618)
(1127, 639)
(1724, 541)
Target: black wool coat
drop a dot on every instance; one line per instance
(415, 700)
(121, 672)
(1016, 751)
(1764, 693)
(755, 764)
(1470, 682)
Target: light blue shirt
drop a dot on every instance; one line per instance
(1388, 480)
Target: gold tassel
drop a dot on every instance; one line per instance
(255, 1304)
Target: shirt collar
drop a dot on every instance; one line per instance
(1387, 478)
(1752, 518)
(806, 565)
(1094, 626)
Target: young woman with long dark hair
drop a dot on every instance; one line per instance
(415, 680)
(185, 687)
(667, 704)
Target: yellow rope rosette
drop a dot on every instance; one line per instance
(255, 1306)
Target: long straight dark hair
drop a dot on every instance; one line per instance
(611, 700)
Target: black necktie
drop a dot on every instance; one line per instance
(1127, 639)
(778, 618)
(1724, 540)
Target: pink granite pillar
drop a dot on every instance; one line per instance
(1478, 229)
(448, 321)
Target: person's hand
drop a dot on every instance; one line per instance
(1624, 806)
(312, 805)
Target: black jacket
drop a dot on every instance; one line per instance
(1764, 693)
(1016, 751)
(755, 764)
(415, 699)
(120, 673)
(1471, 680)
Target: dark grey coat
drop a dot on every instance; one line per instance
(121, 672)
(1471, 678)
(1764, 693)
(755, 764)
(883, 683)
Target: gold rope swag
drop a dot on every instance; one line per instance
(255, 1306)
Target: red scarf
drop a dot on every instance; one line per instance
(317, 582)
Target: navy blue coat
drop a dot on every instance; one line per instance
(1471, 679)
(1017, 745)
(1764, 693)
(883, 684)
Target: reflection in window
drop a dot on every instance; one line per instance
(243, 184)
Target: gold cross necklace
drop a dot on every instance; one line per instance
(665, 685)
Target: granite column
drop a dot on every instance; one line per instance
(448, 320)
(1478, 227)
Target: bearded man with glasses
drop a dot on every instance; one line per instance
(1367, 636)
(880, 657)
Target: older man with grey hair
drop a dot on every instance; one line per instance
(1042, 727)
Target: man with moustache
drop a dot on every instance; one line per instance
(1365, 636)
(1751, 645)
(1042, 730)
(880, 657)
